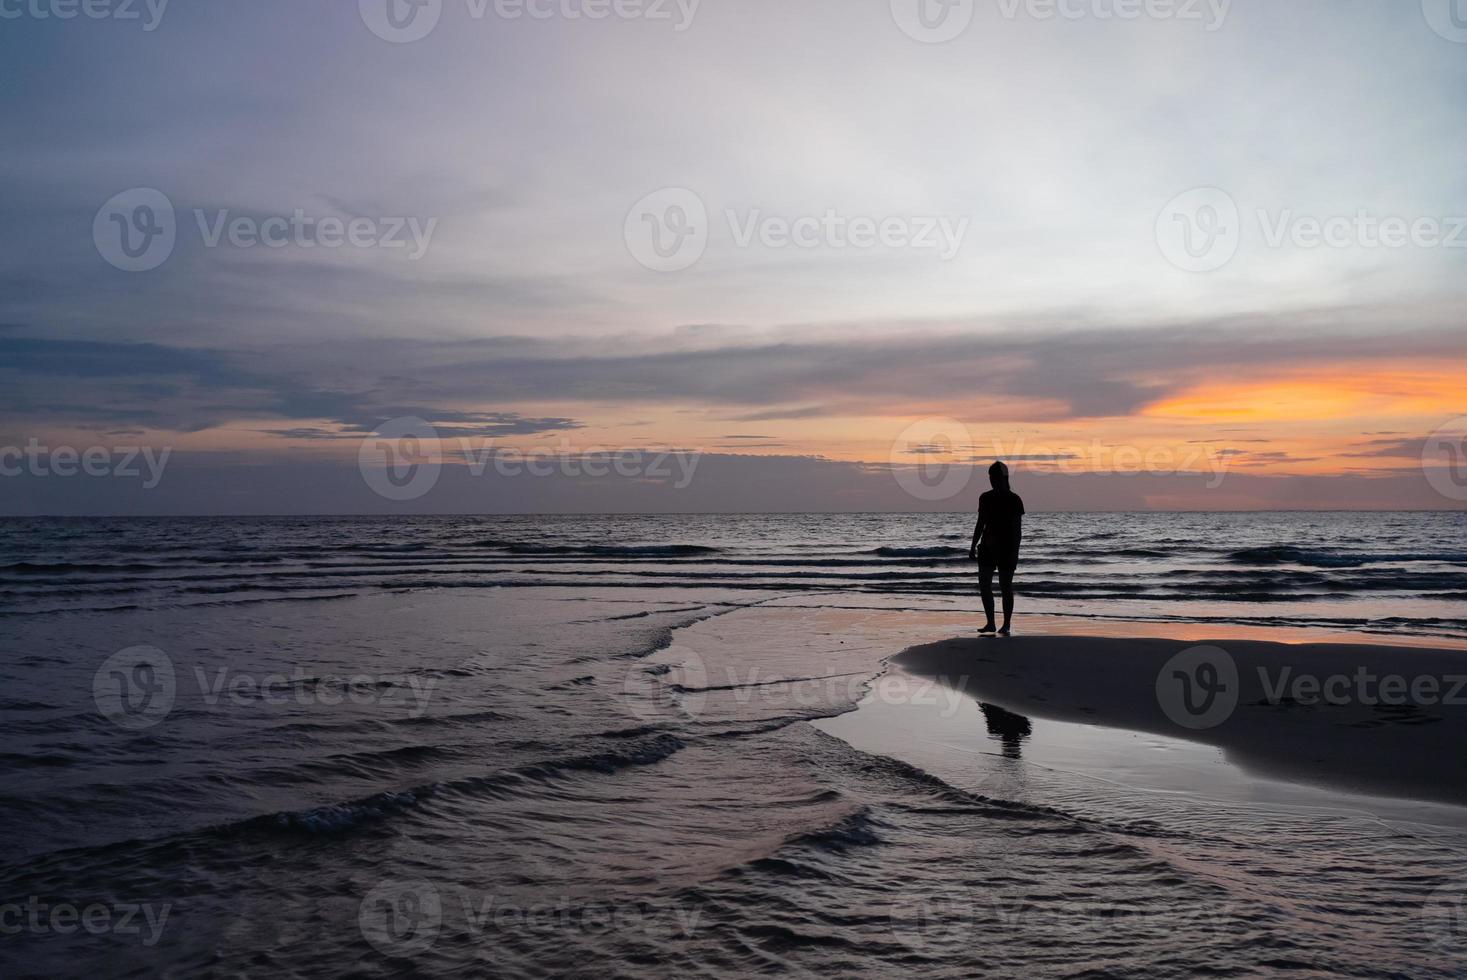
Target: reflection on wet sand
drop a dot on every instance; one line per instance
(1366, 738)
(1007, 727)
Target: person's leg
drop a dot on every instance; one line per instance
(985, 586)
(1005, 582)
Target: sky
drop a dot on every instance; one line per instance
(838, 254)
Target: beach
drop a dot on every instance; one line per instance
(664, 747)
(1375, 717)
(518, 490)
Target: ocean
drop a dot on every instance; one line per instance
(1396, 573)
(475, 746)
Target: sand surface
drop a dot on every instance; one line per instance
(1373, 718)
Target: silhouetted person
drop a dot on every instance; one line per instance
(996, 541)
(1007, 727)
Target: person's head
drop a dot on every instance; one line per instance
(998, 475)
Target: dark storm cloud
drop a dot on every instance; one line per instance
(1052, 374)
(1063, 374)
(191, 390)
(34, 357)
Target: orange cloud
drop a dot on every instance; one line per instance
(1347, 392)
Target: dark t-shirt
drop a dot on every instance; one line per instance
(1000, 512)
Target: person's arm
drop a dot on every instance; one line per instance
(977, 533)
(1019, 525)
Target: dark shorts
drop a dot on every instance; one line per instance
(988, 560)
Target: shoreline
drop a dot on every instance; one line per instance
(1202, 630)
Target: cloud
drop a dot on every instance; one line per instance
(1389, 449)
(529, 315)
(1048, 374)
(783, 414)
(191, 390)
(254, 483)
(309, 432)
(460, 424)
(1248, 457)
(1211, 441)
(1026, 458)
(1052, 374)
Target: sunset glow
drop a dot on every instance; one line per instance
(872, 231)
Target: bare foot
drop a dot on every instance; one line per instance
(988, 628)
(1004, 631)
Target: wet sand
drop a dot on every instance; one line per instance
(1370, 718)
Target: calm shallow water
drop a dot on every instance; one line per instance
(603, 767)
